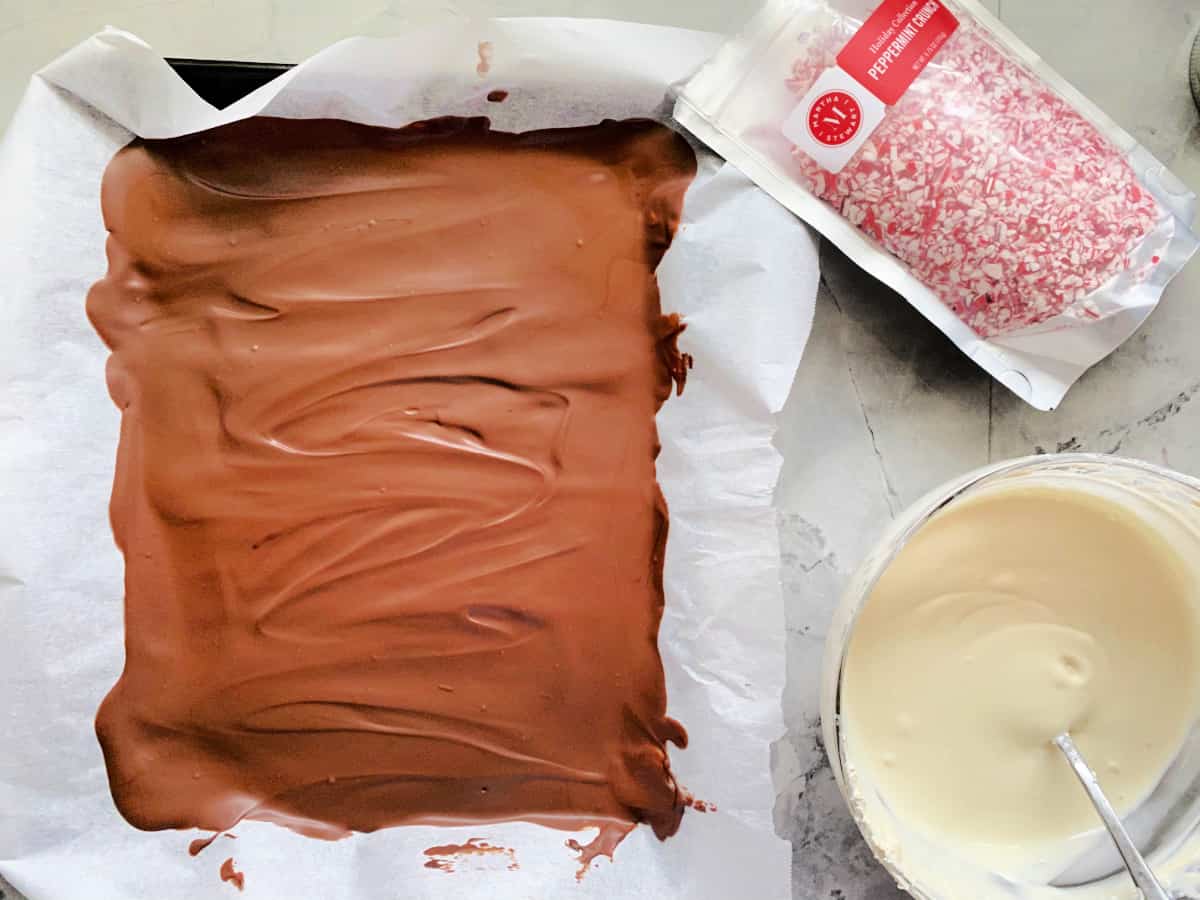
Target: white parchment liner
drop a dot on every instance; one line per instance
(743, 272)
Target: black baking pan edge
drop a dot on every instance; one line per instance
(1194, 70)
(223, 82)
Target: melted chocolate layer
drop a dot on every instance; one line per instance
(385, 486)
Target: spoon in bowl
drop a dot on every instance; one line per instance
(1142, 877)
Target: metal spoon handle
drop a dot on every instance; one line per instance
(1140, 872)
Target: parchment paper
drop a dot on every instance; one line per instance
(742, 270)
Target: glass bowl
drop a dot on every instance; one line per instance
(1165, 825)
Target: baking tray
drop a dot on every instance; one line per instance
(222, 82)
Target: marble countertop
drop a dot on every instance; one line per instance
(884, 407)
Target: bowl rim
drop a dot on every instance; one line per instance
(871, 567)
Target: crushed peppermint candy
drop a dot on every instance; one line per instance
(995, 193)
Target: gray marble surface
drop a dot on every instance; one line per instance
(884, 408)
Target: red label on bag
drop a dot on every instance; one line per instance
(895, 44)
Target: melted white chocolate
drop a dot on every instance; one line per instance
(1020, 612)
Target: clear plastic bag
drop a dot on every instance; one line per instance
(998, 200)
